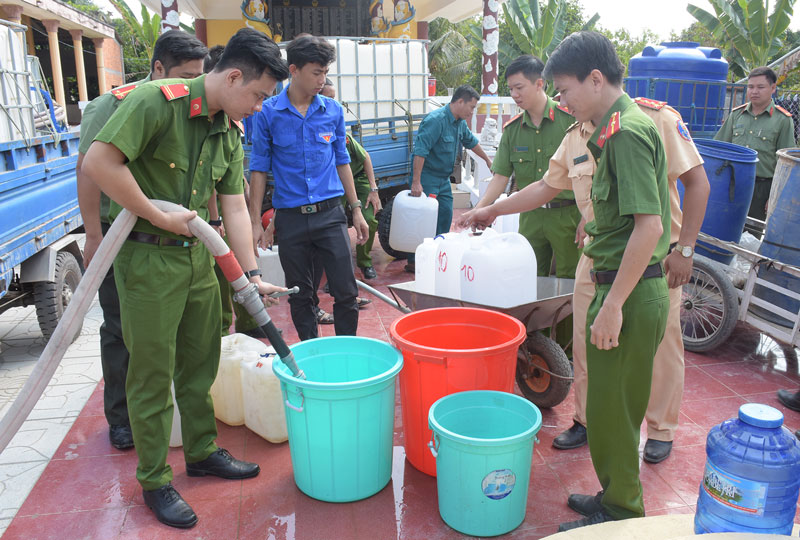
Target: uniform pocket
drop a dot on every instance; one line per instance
(173, 157)
(284, 138)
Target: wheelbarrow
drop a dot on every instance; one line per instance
(544, 372)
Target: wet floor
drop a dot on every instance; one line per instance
(88, 489)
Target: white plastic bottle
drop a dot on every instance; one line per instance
(425, 267)
(413, 220)
(447, 282)
(226, 392)
(261, 393)
(500, 271)
(508, 222)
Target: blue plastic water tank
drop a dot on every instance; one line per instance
(696, 81)
(752, 475)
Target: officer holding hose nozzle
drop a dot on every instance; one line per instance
(176, 141)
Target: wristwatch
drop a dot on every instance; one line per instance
(215, 222)
(353, 206)
(373, 190)
(686, 251)
(250, 273)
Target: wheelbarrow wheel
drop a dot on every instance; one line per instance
(709, 307)
(384, 226)
(544, 372)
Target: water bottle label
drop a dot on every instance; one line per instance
(739, 494)
(498, 484)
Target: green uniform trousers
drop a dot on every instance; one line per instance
(618, 391)
(244, 321)
(363, 258)
(170, 310)
(551, 232)
(113, 354)
(444, 195)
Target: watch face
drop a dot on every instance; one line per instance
(686, 251)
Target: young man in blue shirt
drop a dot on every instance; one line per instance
(300, 137)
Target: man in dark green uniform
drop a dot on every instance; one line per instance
(176, 55)
(763, 126)
(628, 240)
(177, 141)
(528, 142)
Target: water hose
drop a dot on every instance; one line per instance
(72, 318)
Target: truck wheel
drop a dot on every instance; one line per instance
(709, 307)
(51, 298)
(384, 225)
(544, 373)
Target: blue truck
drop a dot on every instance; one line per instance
(40, 256)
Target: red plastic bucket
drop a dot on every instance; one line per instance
(448, 350)
(431, 86)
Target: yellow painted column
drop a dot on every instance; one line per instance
(80, 70)
(101, 65)
(55, 59)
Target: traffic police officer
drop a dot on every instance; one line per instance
(526, 145)
(763, 126)
(441, 133)
(176, 55)
(177, 141)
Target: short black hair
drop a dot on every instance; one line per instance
(582, 52)
(254, 54)
(527, 64)
(465, 92)
(214, 54)
(310, 50)
(175, 47)
(765, 72)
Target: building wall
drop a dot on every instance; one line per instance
(112, 57)
(218, 32)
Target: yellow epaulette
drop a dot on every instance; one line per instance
(175, 91)
(784, 111)
(510, 121)
(650, 103)
(742, 106)
(121, 91)
(564, 109)
(573, 126)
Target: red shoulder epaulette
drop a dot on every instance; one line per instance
(784, 111)
(121, 91)
(650, 103)
(175, 91)
(564, 109)
(614, 125)
(742, 106)
(509, 122)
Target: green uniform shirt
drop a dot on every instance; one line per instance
(631, 178)
(525, 149)
(770, 131)
(175, 151)
(357, 158)
(437, 141)
(94, 117)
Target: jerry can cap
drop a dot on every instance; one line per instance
(759, 415)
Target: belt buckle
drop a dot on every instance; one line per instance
(308, 209)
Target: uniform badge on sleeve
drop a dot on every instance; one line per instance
(683, 131)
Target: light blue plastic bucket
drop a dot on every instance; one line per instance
(341, 419)
(483, 445)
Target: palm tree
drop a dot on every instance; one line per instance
(449, 53)
(752, 37)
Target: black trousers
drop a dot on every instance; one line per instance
(319, 237)
(113, 353)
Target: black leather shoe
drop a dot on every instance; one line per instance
(594, 519)
(368, 272)
(410, 268)
(586, 505)
(574, 437)
(790, 400)
(121, 437)
(656, 451)
(169, 507)
(221, 463)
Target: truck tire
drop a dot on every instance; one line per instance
(51, 298)
(709, 307)
(384, 225)
(544, 373)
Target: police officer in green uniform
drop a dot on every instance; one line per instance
(763, 126)
(528, 142)
(629, 239)
(439, 137)
(176, 54)
(176, 140)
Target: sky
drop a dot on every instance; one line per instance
(660, 16)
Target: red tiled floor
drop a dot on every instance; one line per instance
(89, 489)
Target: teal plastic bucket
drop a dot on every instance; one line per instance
(483, 445)
(340, 420)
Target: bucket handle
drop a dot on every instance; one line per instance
(732, 185)
(434, 445)
(302, 402)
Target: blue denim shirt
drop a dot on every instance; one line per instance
(302, 152)
(438, 141)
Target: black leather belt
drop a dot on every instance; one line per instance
(607, 277)
(146, 238)
(562, 203)
(313, 208)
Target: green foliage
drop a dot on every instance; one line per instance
(449, 54)
(750, 37)
(627, 45)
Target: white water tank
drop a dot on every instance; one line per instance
(413, 220)
(425, 266)
(508, 222)
(226, 392)
(448, 263)
(261, 395)
(16, 111)
(500, 271)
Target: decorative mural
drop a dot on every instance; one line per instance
(254, 13)
(491, 41)
(401, 24)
